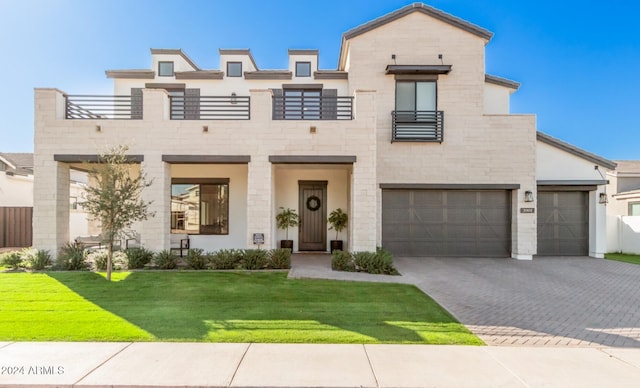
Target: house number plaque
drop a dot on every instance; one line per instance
(528, 210)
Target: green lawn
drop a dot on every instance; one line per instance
(219, 307)
(627, 258)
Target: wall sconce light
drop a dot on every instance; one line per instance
(205, 128)
(98, 128)
(528, 196)
(603, 198)
(234, 99)
(312, 129)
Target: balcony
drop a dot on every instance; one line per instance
(312, 108)
(210, 107)
(417, 126)
(103, 107)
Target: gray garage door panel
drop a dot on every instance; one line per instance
(563, 223)
(447, 222)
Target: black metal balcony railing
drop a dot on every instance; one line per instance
(417, 126)
(312, 108)
(210, 107)
(103, 107)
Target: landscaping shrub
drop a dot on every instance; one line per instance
(254, 259)
(280, 258)
(71, 258)
(138, 257)
(225, 259)
(37, 259)
(12, 259)
(165, 260)
(378, 262)
(342, 261)
(196, 259)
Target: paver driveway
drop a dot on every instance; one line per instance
(549, 301)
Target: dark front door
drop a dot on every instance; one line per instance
(313, 216)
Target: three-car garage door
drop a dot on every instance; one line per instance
(447, 222)
(563, 223)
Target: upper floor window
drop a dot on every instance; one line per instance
(303, 69)
(234, 69)
(416, 117)
(3, 166)
(416, 96)
(302, 104)
(165, 69)
(634, 209)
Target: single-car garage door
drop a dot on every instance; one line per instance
(563, 223)
(447, 222)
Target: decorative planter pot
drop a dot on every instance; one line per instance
(336, 245)
(286, 244)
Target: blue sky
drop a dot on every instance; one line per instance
(578, 61)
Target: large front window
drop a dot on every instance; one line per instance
(200, 206)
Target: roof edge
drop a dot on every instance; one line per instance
(552, 141)
(493, 79)
(176, 52)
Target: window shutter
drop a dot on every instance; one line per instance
(136, 103)
(278, 104)
(329, 104)
(192, 104)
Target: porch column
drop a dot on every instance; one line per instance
(597, 224)
(260, 218)
(363, 220)
(155, 231)
(50, 204)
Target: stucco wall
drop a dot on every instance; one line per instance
(16, 190)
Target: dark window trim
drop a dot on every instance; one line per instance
(160, 63)
(234, 63)
(205, 181)
(301, 63)
(449, 186)
(629, 206)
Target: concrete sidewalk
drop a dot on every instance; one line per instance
(81, 364)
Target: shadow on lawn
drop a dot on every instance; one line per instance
(255, 307)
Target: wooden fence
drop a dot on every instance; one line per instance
(15, 227)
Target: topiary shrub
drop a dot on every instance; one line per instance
(254, 259)
(342, 261)
(138, 257)
(225, 259)
(196, 259)
(71, 258)
(12, 260)
(165, 260)
(280, 258)
(37, 260)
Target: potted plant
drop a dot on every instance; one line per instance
(285, 219)
(338, 221)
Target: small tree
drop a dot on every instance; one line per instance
(338, 220)
(114, 200)
(287, 218)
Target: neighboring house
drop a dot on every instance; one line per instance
(16, 200)
(623, 210)
(408, 135)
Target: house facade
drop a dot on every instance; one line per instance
(408, 135)
(623, 209)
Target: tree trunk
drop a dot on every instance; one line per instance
(109, 254)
